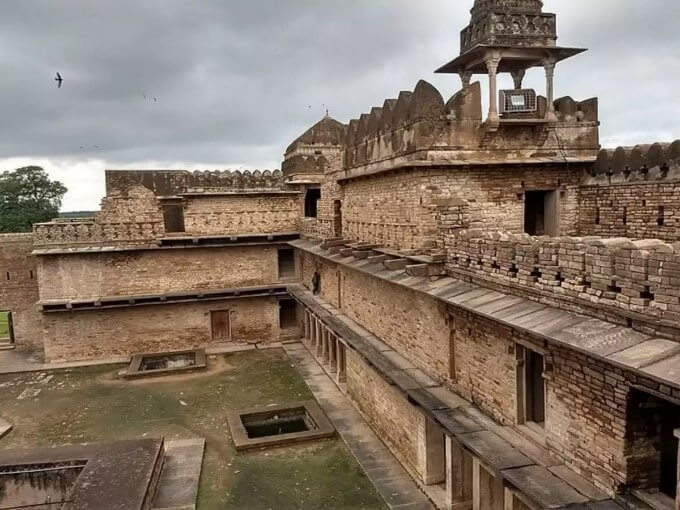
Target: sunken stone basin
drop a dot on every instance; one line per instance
(169, 363)
(279, 425)
(36, 485)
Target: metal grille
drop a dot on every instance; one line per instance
(517, 101)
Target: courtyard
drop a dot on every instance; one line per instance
(91, 404)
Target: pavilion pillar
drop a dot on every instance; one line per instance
(549, 66)
(465, 78)
(492, 61)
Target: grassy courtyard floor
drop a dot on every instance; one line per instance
(91, 404)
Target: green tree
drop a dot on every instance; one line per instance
(28, 196)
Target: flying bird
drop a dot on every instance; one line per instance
(59, 80)
(155, 99)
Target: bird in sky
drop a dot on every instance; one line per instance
(59, 80)
(155, 99)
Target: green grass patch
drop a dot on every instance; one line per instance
(90, 404)
(4, 324)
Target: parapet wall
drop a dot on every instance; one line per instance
(633, 192)
(612, 278)
(421, 126)
(174, 182)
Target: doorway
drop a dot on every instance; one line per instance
(220, 325)
(6, 328)
(173, 217)
(541, 213)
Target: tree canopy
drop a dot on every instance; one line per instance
(28, 196)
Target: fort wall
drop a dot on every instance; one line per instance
(19, 288)
(120, 332)
(611, 278)
(241, 214)
(78, 276)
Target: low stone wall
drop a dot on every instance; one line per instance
(620, 277)
(84, 335)
(91, 233)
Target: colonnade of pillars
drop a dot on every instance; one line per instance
(329, 349)
(469, 484)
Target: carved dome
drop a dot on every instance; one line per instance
(327, 131)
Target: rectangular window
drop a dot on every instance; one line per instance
(661, 220)
(286, 263)
(173, 217)
(219, 324)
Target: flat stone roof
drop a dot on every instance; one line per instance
(653, 358)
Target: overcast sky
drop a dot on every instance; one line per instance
(237, 80)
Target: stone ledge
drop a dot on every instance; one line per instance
(500, 448)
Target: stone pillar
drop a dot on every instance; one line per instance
(492, 61)
(312, 336)
(341, 360)
(319, 338)
(549, 66)
(433, 454)
(325, 339)
(487, 492)
(306, 321)
(466, 78)
(518, 78)
(332, 353)
(458, 477)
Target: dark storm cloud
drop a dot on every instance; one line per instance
(235, 79)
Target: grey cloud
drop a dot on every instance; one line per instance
(234, 79)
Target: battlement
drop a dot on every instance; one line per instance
(619, 279)
(421, 129)
(654, 162)
(175, 182)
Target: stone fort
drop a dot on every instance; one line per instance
(497, 294)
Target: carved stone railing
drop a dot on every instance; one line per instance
(90, 233)
(616, 278)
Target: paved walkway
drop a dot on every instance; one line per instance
(393, 483)
(178, 485)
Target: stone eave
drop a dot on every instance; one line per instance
(649, 357)
(175, 243)
(523, 57)
(437, 159)
(166, 298)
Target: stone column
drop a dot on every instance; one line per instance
(549, 66)
(306, 321)
(492, 61)
(312, 336)
(319, 338)
(458, 476)
(433, 454)
(466, 78)
(332, 354)
(325, 335)
(487, 492)
(341, 360)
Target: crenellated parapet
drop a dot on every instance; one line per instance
(615, 278)
(420, 128)
(651, 162)
(176, 182)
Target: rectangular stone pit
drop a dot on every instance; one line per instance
(169, 363)
(279, 425)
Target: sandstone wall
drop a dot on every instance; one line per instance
(125, 331)
(400, 210)
(588, 409)
(19, 288)
(413, 325)
(241, 214)
(390, 415)
(156, 271)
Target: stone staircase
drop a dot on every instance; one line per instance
(6, 344)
